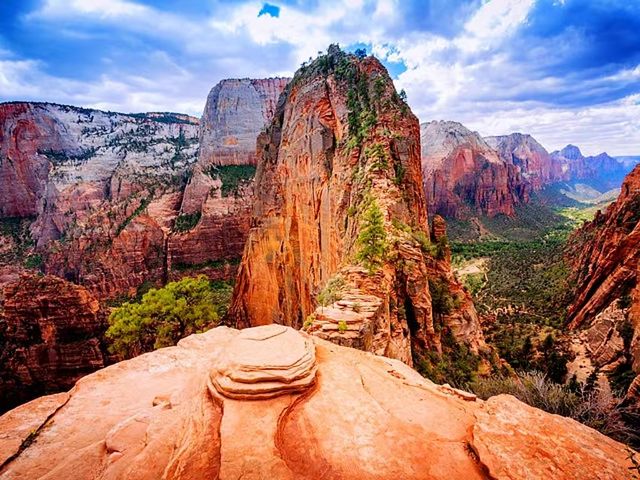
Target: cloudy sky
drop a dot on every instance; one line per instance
(566, 71)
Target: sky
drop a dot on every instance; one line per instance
(565, 71)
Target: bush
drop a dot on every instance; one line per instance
(332, 292)
(372, 239)
(442, 302)
(596, 409)
(164, 316)
(187, 221)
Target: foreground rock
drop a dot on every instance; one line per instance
(342, 149)
(352, 415)
(50, 336)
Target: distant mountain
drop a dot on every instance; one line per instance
(629, 161)
(464, 176)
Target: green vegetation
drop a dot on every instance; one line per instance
(457, 365)
(215, 264)
(441, 299)
(141, 208)
(342, 326)
(59, 157)
(232, 177)
(165, 315)
(332, 292)
(588, 406)
(18, 237)
(378, 157)
(187, 221)
(34, 261)
(372, 239)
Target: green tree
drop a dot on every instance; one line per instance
(165, 315)
(372, 238)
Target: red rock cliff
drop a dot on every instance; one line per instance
(605, 254)
(342, 148)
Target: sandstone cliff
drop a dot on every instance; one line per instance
(464, 176)
(339, 229)
(270, 402)
(601, 170)
(50, 334)
(605, 254)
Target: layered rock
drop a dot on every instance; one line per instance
(605, 255)
(530, 158)
(341, 161)
(463, 175)
(50, 333)
(160, 416)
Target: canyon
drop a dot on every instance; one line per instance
(107, 204)
(468, 176)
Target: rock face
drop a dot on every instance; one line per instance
(236, 112)
(166, 415)
(50, 334)
(463, 175)
(220, 190)
(341, 162)
(605, 254)
(531, 159)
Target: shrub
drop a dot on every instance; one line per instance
(332, 292)
(372, 239)
(342, 326)
(442, 301)
(164, 316)
(34, 261)
(187, 221)
(232, 177)
(597, 409)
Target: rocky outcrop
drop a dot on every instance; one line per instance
(464, 176)
(339, 229)
(50, 336)
(166, 415)
(605, 255)
(530, 158)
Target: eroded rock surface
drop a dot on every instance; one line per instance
(157, 416)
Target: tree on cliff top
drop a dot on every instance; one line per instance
(372, 239)
(165, 315)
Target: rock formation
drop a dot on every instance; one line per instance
(605, 254)
(220, 191)
(339, 229)
(463, 175)
(271, 402)
(236, 112)
(50, 334)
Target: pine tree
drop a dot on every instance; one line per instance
(372, 239)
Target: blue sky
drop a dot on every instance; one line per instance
(566, 71)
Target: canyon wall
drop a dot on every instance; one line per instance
(464, 176)
(339, 241)
(605, 256)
